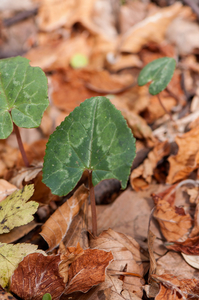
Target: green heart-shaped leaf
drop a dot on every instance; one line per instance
(95, 137)
(159, 72)
(23, 95)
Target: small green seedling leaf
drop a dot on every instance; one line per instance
(93, 137)
(159, 72)
(79, 61)
(11, 256)
(14, 211)
(23, 95)
(47, 296)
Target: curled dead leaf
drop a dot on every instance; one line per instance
(174, 223)
(187, 158)
(55, 228)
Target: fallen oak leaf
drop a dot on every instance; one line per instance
(88, 270)
(56, 227)
(36, 275)
(14, 211)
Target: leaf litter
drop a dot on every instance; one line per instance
(116, 46)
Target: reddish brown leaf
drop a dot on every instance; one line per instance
(36, 275)
(88, 270)
(174, 288)
(190, 246)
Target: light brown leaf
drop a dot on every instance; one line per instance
(68, 255)
(6, 189)
(82, 84)
(88, 270)
(141, 177)
(146, 31)
(127, 256)
(187, 158)
(55, 228)
(36, 275)
(173, 221)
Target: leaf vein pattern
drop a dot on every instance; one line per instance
(91, 137)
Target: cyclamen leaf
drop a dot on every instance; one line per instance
(14, 211)
(23, 92)
(160, 72)
(11, 256)
(95, 137)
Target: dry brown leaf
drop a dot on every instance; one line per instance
(6, 189)
(173, 263)
(184, 34)
(8, 157)
(35, 152)
(141, 177)
(174, 222)
(53, 15)
(174, 288)
(26, 174)
(55, 228)
(79, 85)
(68, 255)
(88, 270)
(190, 246)
(36, 275)
(58, 54)
(187, 158)
(151, 29)
(128, 257)
(17, 232)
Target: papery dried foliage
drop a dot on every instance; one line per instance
(189, 246)
(36, 275)
(6, 188)
(174, 288)
(68, 255)
(55, 228)
(173, 221)
(141, 177)
(187, 158)
(127, 256)
(146, 31)
(88, 270)
(82, 84)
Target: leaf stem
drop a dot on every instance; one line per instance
(21, 147)
(93, 205)
(166, 111)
